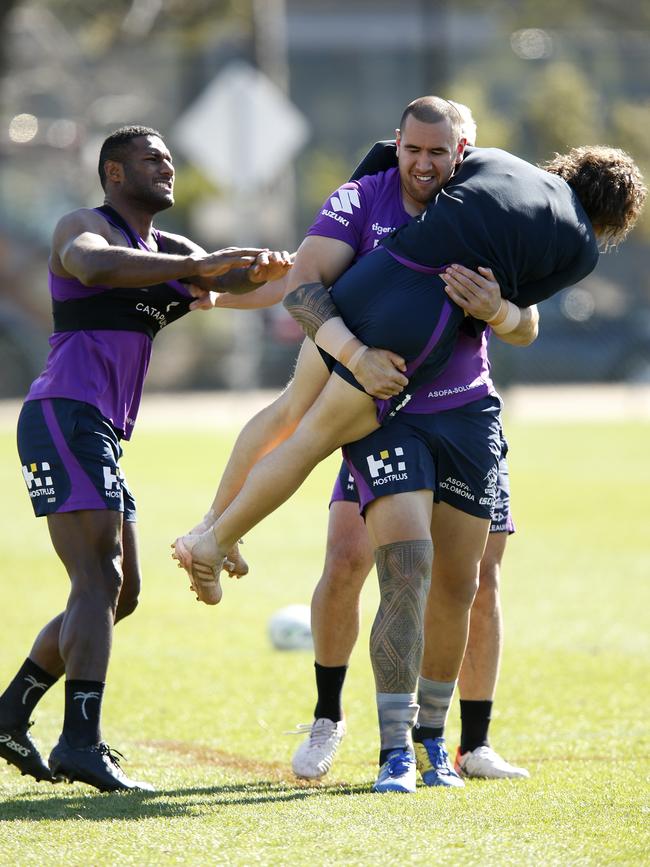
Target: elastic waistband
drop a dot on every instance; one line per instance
(415, 266)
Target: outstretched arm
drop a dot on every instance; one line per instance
(263, 284)
(84, 246)
(269, 265)
(240, 288)
(265, 295)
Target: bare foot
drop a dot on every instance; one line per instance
(203, 561)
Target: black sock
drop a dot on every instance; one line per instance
(475, 721)
(428, 732)
(329, 684)
(83, 705)
(383, 754)
(23, 693)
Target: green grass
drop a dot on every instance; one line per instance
(199, 701)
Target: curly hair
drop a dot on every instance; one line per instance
(115, 147)
(609, 185)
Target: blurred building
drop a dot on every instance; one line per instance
(75, 71)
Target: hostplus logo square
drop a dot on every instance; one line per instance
(384, 469)
(38, 480)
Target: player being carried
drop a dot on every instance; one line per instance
(399, 190)
(539, 230)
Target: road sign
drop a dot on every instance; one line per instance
(241, 131)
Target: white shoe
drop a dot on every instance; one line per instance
(483, 762)
(314, 757)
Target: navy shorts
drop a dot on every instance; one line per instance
(70, 455)
(404, 309)
(455, 454)
(345, 491)
(502, 520)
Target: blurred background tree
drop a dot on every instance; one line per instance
(540, 77)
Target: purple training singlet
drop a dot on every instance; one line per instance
(106, 366)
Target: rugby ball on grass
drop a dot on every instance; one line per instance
(290, 628)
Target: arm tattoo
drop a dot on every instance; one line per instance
(310, 305)
(397, 636)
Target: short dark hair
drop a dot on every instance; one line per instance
(609, 185)
(433, 109)
(115, 147)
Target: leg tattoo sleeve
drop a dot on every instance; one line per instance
(397, 636)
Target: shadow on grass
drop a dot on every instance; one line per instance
(95, 806)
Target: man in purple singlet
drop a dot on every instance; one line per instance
(376, 206)
(115, 282)
(352, 222)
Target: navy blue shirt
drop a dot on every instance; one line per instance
(504, 213)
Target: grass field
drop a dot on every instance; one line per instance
(199, 701)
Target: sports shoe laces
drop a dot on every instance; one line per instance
(113, 755)
(437, 752)
(399, 764)
(300, 729)
(318, 734)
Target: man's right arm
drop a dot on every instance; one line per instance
(319, 262)
(83, 247)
